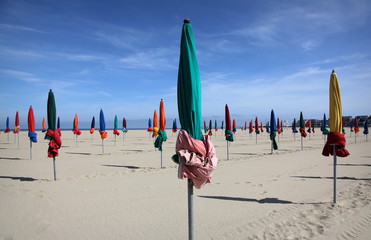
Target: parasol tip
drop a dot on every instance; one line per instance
(186, 20)
(333, 71)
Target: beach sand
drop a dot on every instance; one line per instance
(124, 194)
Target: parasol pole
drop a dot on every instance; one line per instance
(18, 139)
(271, 147)
(55, 174)
(301, 142)
(115, 140)
(30, 150)
(335, 161)
(190, 210)
(161, 159)
(76, 140)
(102, 146)
(227, 150)
(8, 136)
(256, 138)
(355, 137)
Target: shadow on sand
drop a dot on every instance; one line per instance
(123, 166)
(22, 179)
(261, 201)
(340, 178)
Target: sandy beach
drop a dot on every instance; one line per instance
(124, 194)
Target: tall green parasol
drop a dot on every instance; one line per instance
(52, 133)
(189, 100)
(189, 85)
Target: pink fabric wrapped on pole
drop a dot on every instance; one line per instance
(197, 159)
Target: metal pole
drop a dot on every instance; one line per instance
(271, 147)
(30, 150)
(102, 146)
(115, 140)
(190, 210)
(55, 174)
(301, 142)
(18, 139)
(256, 138)
(227, 150)
(335, 160)
(161, 158)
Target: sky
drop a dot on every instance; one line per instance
(123, 57)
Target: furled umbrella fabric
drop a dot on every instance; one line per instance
(257, 126)
(273, 130)
(251, 129)
(205, 127)
(261, 127)
(162, 136)
(279, 126)
(309, 126)
(324, 129)
(302, 126)
(195, 153)
(76, 129)
(365, 130)
(175, 127)
(7, 129)
(222, 126)
(124, 126)
(229, 135)
(102, 125)
(17, 127)
(149, 129)
(43, 125)
(31, 125)
(92, 125)
(356, 127)
(234, 126)
(116, 126)
(216, 126)
(52, 133)
(155, 124)
(210, 133)
(294, 129)
(267, 127)
(59, 126)
(335, 136)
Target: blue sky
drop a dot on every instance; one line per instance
(122, 56)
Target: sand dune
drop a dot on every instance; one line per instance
(123, 194)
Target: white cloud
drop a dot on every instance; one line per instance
(28, 77)
(159, 58)
(18, 27)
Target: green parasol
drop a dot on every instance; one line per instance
(189, 100)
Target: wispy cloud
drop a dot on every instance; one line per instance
(24, 76)
(13, 27)
(160, 58)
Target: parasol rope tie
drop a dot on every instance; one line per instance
(229, 135)
(92, 130)
(302, 132)
(55, 142)
(339, 140)
(32, 136)
(116, 132)
(76, 131)
(162, 137)
(17, 129)
(7, 130)
(196, 158)
(103, 134)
